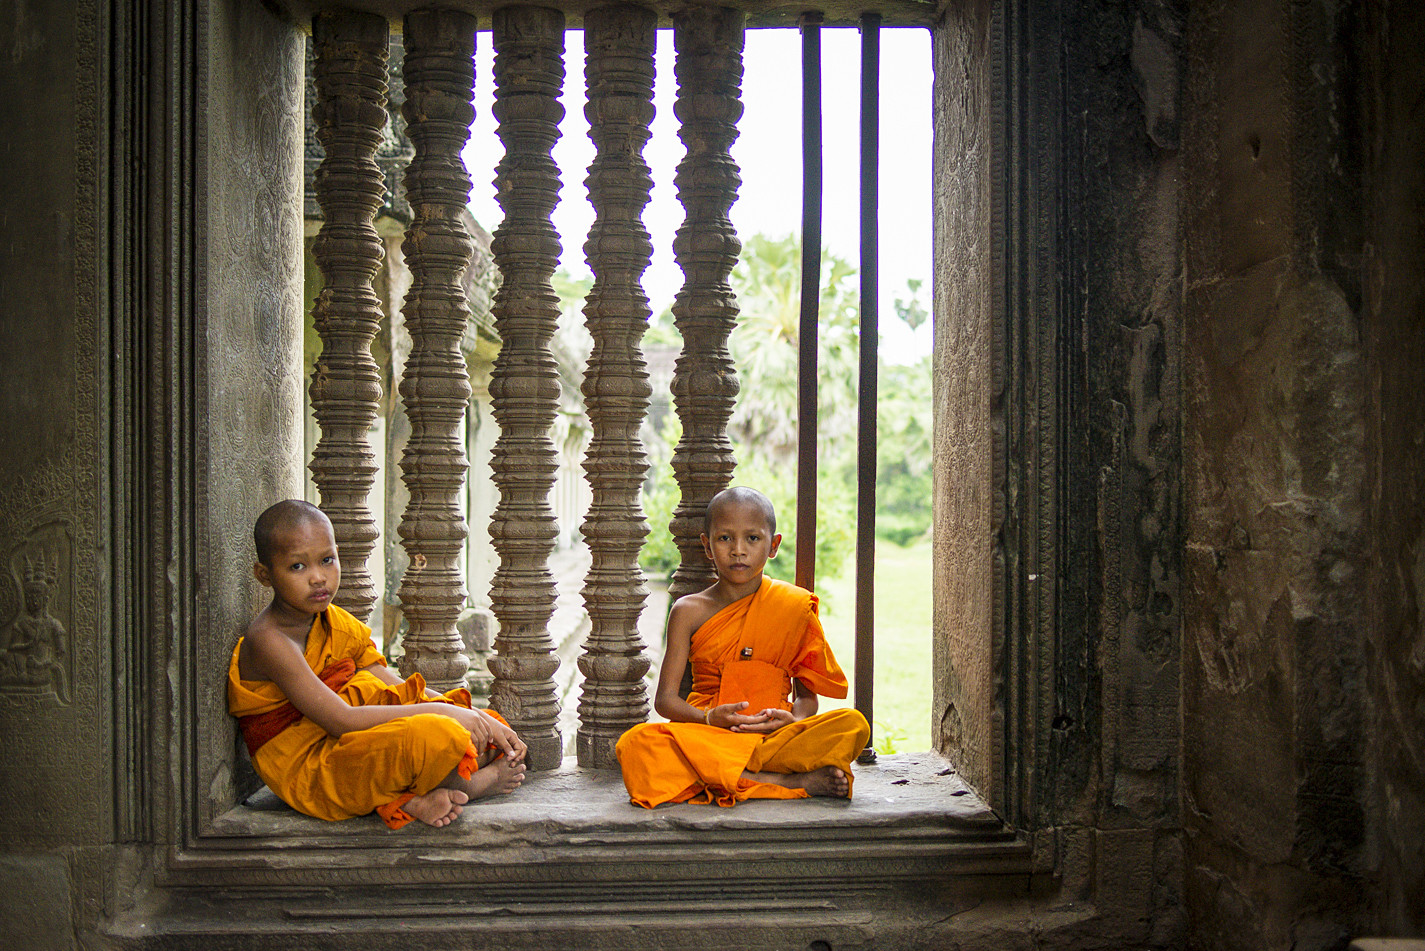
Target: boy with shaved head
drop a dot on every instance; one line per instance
(330, 728)
(750, 728)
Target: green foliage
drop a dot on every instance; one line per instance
(835, 513)
(888, 739)
(767, 281)
(763, 428)
(903, 452)
(659, 557)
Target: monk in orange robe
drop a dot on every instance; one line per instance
(330, 728)
(749, 729)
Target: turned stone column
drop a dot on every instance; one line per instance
(619, 43)
(439, 76)
(524, 386)
(709, 71)
(350, 118)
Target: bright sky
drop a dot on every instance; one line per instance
(768, 151)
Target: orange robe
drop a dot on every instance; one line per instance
(750, 650)
(379, 769)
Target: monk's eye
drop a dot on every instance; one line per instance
(298, 566)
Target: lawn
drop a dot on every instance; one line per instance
(902, 695)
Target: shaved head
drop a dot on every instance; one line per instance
(280, 517)
(741, 495)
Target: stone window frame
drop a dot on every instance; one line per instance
(1004, 348)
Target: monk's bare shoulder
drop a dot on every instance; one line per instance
(263, 637)
(691, 611)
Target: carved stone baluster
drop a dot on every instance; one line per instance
(709, 70)
(524, 386)
(619, 43)
(439, 75)
(350, 116)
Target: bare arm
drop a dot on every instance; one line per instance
(278, 659)
(500, 734)
(686, 617)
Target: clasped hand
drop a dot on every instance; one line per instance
(485, 730)
(764, 721)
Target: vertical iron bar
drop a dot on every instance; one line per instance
(867, 393)
(810, 299)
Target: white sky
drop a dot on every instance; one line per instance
(768, 151)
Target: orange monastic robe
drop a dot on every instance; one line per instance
(379, 769)
(750, 650)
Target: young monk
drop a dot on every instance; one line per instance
(331, 729)
(749, 729)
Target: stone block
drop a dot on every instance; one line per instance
(36, 914)
(1124, 862)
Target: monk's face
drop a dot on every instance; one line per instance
(739, 542)
(305, 573)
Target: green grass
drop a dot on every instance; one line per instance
(901, 707)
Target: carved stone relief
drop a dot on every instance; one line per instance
(36, 649)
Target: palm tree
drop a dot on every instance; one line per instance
(767, 281)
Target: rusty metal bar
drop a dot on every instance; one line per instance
(866, 401)
(810, 299)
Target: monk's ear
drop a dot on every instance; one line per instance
(262, 574)
(707, 546)
(776, 543)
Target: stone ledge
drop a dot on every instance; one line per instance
(912, 817)
(568, 859)
(899, 790)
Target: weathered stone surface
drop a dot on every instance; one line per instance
(246, 413)
(964, 491)
(52, 690)
(36, 912)
(1303, 496)
(1393, 311)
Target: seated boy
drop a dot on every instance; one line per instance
(749, 729)
(331, 729)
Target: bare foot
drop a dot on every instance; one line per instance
(495, 778)
(439, 807)
(827, 781)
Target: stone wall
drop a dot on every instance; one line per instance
(963, 704)
(249, 292)
(1302, 339)
(55, 718)
(1393, 340)
(1117, 673)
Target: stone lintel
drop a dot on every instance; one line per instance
(760, 13)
